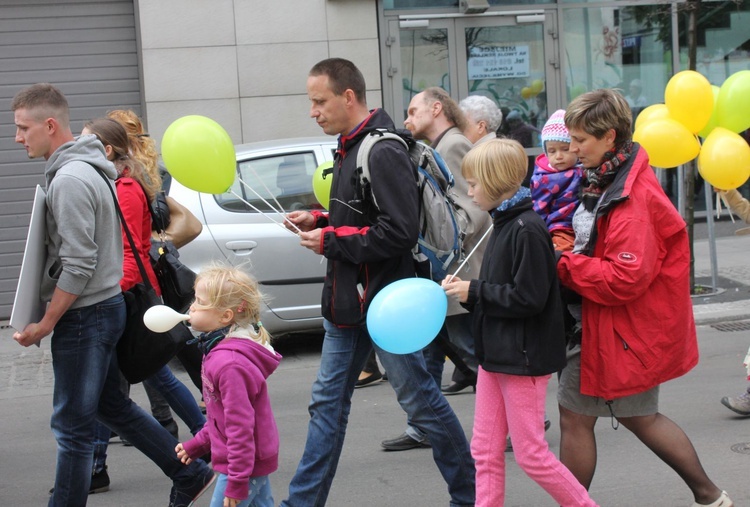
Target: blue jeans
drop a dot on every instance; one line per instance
(87, 388)
(456, 330)
(176, 394)
(259, 492)
(179, 397)
(344, 353)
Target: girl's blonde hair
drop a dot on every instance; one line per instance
(142, 147)
(230, 288)
(498, 165)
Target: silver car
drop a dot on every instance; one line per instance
(290, 276)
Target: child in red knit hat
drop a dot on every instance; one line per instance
(554, 185)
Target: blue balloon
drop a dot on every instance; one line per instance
(407, 315)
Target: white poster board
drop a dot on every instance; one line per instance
(27, 305)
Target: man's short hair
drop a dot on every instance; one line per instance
(598, 111)
(43, 101)
(450, 108)
(343, 75)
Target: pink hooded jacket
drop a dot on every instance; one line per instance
(240, 429)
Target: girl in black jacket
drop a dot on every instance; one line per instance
(518, 329)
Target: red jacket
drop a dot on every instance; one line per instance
(638, 327)
(134, 205)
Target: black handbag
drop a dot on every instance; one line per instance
(140, 351)
(176, 280)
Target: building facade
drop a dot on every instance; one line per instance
(243, 63)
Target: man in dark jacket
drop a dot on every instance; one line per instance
(366, 249)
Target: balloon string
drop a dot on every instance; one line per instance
(280, 210)
(489, 229)
(265, 214)
(718, 205)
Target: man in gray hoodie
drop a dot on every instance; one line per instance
(86, 308)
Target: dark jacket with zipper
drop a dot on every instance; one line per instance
(516, 306)
(367, 248)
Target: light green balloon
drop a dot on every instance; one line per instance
(322, 179)
(199, 154)
(733, 103)
(713, 122)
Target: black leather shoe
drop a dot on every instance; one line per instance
(403, 443)
(372, 378)
(457, 388)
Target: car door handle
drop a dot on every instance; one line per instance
(241, 247)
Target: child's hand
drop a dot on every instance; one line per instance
(182, 454)
(230, 502)
(456, 288)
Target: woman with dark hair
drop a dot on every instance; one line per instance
(134, 193)
(630, 265)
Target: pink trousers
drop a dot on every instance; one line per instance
(515, 404)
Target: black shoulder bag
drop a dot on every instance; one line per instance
(176, 280)
(140, 351)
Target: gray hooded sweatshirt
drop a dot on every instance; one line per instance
(84, 242)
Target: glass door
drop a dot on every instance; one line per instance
(511, 58)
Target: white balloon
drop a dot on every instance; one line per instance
(161, 318)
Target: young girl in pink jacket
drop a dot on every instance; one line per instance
(241, 432)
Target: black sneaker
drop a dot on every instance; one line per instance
(186, 497)
(99, 482)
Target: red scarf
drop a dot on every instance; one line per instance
(597, 179)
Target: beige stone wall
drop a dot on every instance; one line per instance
(244, 63)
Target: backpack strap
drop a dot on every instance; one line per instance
(363, 157)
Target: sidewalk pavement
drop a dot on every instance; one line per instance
(732, 299)
(628, 474)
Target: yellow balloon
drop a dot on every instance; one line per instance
(724, 161)
(526, 92)
(667, 142)
(690, 100)
(322, 179)
(199, 153)
(653, 112)
(537, 86)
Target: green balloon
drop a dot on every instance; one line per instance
(713, 122)
(199, 154)
(322, 179)
(733, 103)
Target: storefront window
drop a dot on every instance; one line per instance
(443, 4)
(628, 48)
(425, 60)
